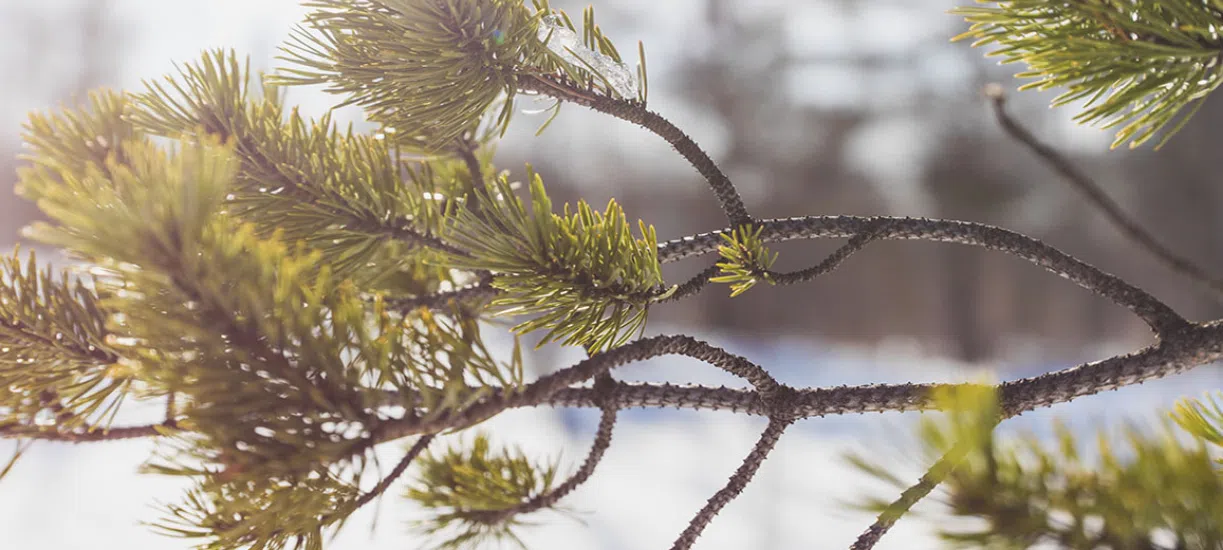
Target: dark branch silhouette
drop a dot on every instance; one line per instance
(1100, 199)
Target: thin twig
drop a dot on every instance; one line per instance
(474, 292)
(466, 150)
(692, 286)
(631, 111)
(419, 447)
(833, 261)
(743, 475)
(605, 388)
(1161, 318)
(928, 481)
(82, 435)
(1096, 195)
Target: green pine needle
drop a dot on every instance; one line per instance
(1137, 64)
(583, 275)
(465, 488)
(745, 260)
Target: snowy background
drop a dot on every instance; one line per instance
(663, 464)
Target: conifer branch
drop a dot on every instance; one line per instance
(1161, 318)
(1098, 197)
(742, 476)
(1176, 352)
(637, 113)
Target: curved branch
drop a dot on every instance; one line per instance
(606, 389)
(692, 286)
(635, 112)
(833, 261)
(743, 475)
(1176, 352)
(538, 392)
(1161, 318)
(1096, 195)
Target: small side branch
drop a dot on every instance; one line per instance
(692, 286)
(931, 479)
(85, 435)
(417, 448)
(833, 261)
(631, 111)
(481, 290)
(1096, 195)
(743, 475)
(607, 422)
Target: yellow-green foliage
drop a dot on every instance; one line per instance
(56, 368)
(745, 260)
(583, 274)
(1136, 63)
(1152, 488)
(465, 487)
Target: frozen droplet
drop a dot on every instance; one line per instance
(568, 45)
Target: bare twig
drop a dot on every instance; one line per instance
(635, 112)
(605, 388)
(833, 261)
(419, 447)
(1096, 196)
(743, 475)
(931, 479)
(692, 286)
(1161, 318)
(81, 435)
(474, 292)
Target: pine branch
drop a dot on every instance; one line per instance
(1161, 318)
(742, 476)
(1176, 352)
(635, 112)
(1138, 64)
(85, 434)
(1098, 197)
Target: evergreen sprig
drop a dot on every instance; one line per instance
(1136, 63)
(277, 358)
(429, 70)
(296, 511)
(745, 260)
(57, 370)
(338, 191)
(465, 487)
(583, 274)
(1151, 489)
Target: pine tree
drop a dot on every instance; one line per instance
(296, 293)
